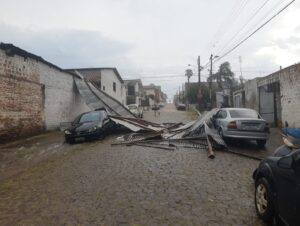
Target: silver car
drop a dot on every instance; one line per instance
(241, 123)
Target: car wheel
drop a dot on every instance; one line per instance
(263, 200)
(261, 143)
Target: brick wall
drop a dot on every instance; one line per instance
(34, 96)
(290, 95)
(21, 97)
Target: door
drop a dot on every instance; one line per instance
(297, 197)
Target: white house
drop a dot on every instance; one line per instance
(135, 91)
(107, 80)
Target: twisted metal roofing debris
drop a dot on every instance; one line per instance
(197, 134)
(96, 99)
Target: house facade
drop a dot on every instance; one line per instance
(246, 96)
(35, 94)
(107, 80)
(276, 96)
(134, 91)
(153, 94)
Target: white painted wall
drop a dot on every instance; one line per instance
(290, 95)
(108, 77)
(62, 100)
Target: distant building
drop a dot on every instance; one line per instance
(246, 95)
(107, 80)
(153, 93)
(134, 91)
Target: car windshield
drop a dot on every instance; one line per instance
(243, 114)
(90, 117)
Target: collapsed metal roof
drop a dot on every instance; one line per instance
(96, 98)
(196, 134)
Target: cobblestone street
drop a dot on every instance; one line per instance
(96, 184)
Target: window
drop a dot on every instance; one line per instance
(114, 87)
(104, 88)
(245, 113)
(223, 114)
(90, 117)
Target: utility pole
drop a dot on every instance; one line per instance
(210, 77)
(199, 81)
(199, 70)
(210, 80)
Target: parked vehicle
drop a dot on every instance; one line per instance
(277, 185)
(89, 125)
(136, 110)
(181, 107)
(241, 123)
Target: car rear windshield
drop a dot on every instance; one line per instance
(90, 117)
(243, 114)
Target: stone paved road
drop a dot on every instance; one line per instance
(96, 184)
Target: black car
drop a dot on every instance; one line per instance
(277, 187)
(89, 125)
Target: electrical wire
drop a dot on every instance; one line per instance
(248, 36)
(244, 26)
(263, 18)
(256, 30)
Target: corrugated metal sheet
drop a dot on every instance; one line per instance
(95, 98)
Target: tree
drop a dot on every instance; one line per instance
(224, 76)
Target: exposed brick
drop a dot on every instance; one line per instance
(34, 97)
(290, 95)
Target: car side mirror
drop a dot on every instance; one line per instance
(285, 162)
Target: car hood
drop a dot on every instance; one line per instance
(83, 126)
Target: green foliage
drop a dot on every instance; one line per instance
(224, 76)
(200, 96)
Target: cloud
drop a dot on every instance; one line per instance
(69, 48)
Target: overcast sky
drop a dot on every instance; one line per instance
(155, 39)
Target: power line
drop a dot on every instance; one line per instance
(256, 30)
(242, 40)
(244, 26)
(265, 16)
(227, 20)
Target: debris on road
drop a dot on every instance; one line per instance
(198, 134)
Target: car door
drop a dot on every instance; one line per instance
(288, 195)
(297, 197)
